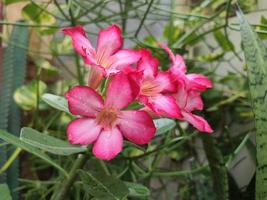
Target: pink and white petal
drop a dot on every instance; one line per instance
(122, 59)
(80, 41)
(109, 41)
(166, 82)
(151, 113)
(122, 90)
(95, 77)
(168, 50)
(179, 63)
(194, 101)
(177, 60)
(108, 144)
(181, 95)
(148, 64)
(136, 126)
(165, 106)
(84, 101)
(83, 131)
(198, 122)
(199, 82)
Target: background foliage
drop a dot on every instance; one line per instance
(179, 163)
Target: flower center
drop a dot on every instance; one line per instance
(107, 117)
(150, 88)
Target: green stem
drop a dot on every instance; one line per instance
(61, 193)
(143, 19)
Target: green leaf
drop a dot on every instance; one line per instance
(57, 102)
(104, 187)
(7, 2)
(223, 41)
(44, 64)
(49, 143)
(23, 145)
(5, 193)
(164, 125)
(35, 12)
(137, 190)
(26, 95)
(256, 60)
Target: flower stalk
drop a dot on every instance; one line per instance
(64, 187)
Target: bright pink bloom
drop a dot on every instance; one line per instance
(188, 94)
(188, 101)
(107, 57)
(178, 69)
(155, 87)
(104, 123)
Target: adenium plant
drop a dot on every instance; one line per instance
(132, 75)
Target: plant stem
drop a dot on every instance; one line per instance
(62, 191)
(143, 19)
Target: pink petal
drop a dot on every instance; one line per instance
(150, 112)
(121, 59)
(137, 126)
(199, 82)
(95, 77)
(198, 122)
(164, 106)
(83, 131)
(148, 64)
(84, 101)
(109, 144)
(109, 41)
(166, 82)
(177, 60)
(80, 41)
(181, 95)
(194, 101)
(122, 90)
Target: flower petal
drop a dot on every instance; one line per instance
(83, 131)
(136, 126)
(121, 59)
(80, 41)
(95, 77)
(109, 144)
(148, 64)
(194, 101)
(122, 90)
(198, 122)
(166, 82)
(84, 101)
(199, 82)
(109, 41)
(177, 60)
(164, 106)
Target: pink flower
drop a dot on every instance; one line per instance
(188, 94)
(178, 70)
(155, 87)
(104, 123)
(189, 100)
(107, 57)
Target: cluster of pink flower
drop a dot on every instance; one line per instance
(134, 76)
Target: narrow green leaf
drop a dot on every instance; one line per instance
(164, 125)
(223, 41)
(5, 193)
(57, 102)
(256, 60)
(23, 145)
(49, 143)
(104, 187)
(137, 190)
